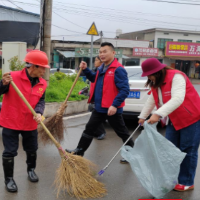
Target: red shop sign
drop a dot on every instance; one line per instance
(182, 49)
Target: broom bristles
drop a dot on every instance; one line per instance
(56, 127)
(75, 176)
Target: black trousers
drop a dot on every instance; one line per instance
(116, 122)
(100, 130)
(11, 141)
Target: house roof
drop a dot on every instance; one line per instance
(21, 11)
(164, 29)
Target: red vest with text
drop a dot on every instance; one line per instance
(189, 111)
(14, 113)
(110, 90)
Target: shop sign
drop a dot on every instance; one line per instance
(145, 52)
(184, 49)
(85, 52)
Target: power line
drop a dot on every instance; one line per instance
(66, 29)
(112, 17)
(123, 11)
(174, 2)
(120, 17)
(15, 5)
(3, 3)
(115, 10)
(68, 20)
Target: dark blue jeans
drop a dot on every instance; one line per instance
(187, 140)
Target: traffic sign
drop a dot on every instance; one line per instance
(93, 30)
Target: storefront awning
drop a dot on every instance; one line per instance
(67, 54)
(183, 58)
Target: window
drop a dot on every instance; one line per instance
(131, 62)
(184, 40)
(162, 42)
(166, 33)
(198, 41)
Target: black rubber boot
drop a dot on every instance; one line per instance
(31, 164)
(83, 145)
(8, 167)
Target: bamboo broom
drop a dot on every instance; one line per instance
(74, 174)
(55, 123)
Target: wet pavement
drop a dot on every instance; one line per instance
(119, 179)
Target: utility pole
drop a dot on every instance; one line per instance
(101, 34)
(46, 47)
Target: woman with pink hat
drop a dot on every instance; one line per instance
(176, 100)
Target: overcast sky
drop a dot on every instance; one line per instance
(110, 15)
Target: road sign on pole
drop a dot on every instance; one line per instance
(92, 31)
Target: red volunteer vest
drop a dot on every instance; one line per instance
(14, 113)
(110, 90)
(189, 111)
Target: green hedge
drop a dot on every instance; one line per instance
(59, 86)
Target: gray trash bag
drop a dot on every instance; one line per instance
(155, 161)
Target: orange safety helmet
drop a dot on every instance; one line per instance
(37, 57)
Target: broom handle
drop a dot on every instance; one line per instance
(34, 113)
(73, 85)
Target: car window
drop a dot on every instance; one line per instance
(135, 74)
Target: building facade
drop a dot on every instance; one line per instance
(69, 54)
(18, 26)
(186, 60)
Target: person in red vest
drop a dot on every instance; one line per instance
(15, 117)
(100, 133)
(109, 91)
(176, 100)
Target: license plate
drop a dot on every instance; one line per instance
(134, 95)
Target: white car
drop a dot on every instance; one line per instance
(138, 94)
(63, 70)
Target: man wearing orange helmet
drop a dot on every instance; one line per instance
(15, 117)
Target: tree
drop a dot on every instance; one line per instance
(16, 64)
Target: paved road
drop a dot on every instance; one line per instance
(119, 179)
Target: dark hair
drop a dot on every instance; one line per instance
(108, 44)
(58, 69)
(160, 77)
(98, 58)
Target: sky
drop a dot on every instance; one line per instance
(72, 19)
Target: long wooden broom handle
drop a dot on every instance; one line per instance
(34, 113)
(73, 85)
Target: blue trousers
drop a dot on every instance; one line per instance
(187, 140)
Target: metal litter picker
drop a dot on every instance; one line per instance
(104, 169)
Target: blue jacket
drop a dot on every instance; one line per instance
(121, 81)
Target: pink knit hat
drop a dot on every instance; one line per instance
(151, 66)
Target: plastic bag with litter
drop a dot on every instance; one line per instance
(155, 161)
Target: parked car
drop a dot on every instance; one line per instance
(63, 70)
(138, 94)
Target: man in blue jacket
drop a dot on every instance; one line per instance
(109, 92)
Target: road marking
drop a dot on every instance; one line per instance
(76, 116)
